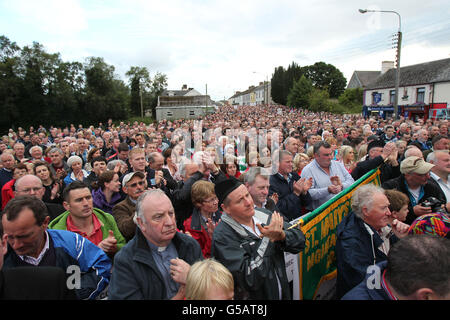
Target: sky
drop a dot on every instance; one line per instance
(221, 47)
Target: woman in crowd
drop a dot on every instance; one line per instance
(205, 216)
(77, 172)
(300, 161)
(53, 187)
(347, 157)
(106, 191)
(230, 167)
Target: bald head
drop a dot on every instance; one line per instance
(29, 185)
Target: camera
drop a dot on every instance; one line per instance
(433, 203)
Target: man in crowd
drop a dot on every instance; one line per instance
(98, 165)
(159, 175)
(31, 185)
(438, 143)
(413, 182)
(6, 173)
(19, 152)
(133, 184)
(30, 243)
(91, 223)
(423, 255)
(58, 166)
(441, 170)
(155, 263)
(292, 191)
(363, 236)
(258, 184)
(379, 154)
(250, 248)
(329, 176)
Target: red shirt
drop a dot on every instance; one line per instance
(96, 236)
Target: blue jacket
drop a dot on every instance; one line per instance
(356, 250)
(363, 292)
(70, 249)
(288, 203)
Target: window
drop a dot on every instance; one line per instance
(420, 95)
(169, 113)
(192, 113)
(392, 96)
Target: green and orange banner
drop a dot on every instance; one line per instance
(317, 263)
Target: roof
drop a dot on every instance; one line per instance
(366, 77)
(428, 72)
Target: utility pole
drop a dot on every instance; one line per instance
(397, 75)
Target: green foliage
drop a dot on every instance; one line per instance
(299, 95)
(351, 97)
(319, 100)
(323, 76)
(39, 88)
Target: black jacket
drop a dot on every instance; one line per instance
(356, 249)
(290, 205)
(135, 275)
(387, 171)
(254, 262)
(430, 190)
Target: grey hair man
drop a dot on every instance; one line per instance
(364, 236)
(257, 183)
(155, 263)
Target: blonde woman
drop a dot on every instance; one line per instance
(300, 161)
(347, 157)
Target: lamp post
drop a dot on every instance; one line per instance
(399, 45)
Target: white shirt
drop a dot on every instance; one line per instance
(445, 187)
(36, 261)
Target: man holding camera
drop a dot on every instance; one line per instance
(414, 182)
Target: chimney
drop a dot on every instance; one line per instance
(261, 83)
(386, 65)
(184, 87)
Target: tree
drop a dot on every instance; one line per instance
(299, 95)
(326, 77)
(319, 100)
(277, 86)
(139, 82)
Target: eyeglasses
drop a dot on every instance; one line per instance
(134, 185)
(215, 199)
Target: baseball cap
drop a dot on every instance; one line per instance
(130, 176)
(415, 164)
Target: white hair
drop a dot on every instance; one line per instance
(363, 197)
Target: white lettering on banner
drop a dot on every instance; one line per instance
(374, 280)
(74, 280)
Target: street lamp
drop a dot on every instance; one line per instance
(399, 45)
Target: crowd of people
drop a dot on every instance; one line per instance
(201, 209)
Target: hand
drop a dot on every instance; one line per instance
(158, 177)
(274, 197)
(334, 189)
(179, 270)
(335, 180)
(388, 149)
(80, 176)
(420, 210)
(211, 226)
(109, 245)
(400, 229)
(54, 192)
(274, 231)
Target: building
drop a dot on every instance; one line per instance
(186, 103)
(424, 91)
(253, 95)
